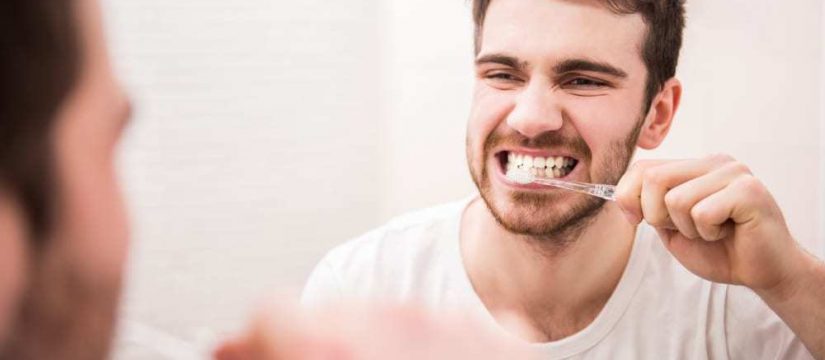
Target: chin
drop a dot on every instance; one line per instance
(553, 214)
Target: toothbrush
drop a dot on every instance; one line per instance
(525, 177)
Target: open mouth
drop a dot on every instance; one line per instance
(550, 167)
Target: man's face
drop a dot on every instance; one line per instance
(562, 82)
(73, 282)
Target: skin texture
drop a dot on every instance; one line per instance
(568, 113)
(538, 260)
(69, 306)
(560, 291)
(365, 332)
(722, 224)
(12, 255)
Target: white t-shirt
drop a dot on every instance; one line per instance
(659, 309)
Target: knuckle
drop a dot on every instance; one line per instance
(700, 214)
(738, 168)
(750, 184)
(654, 177)
(721, 158)
(676, 201)
(636, 167)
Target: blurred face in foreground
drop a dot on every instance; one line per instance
(59, 299)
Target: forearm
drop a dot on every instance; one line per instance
(801, 304)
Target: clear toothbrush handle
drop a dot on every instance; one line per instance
(607, 192)
(603, 191)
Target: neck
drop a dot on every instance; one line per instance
(554, 292)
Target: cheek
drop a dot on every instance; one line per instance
(610, 114)
(91, 216)
(93, 219)
(602, 121)
(489, 111)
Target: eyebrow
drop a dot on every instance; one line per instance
(572, 65)
(566, 66)
(502, 59)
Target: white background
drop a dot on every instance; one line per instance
(269, 131)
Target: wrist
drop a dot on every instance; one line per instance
(801, 268)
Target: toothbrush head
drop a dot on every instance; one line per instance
(520, 176)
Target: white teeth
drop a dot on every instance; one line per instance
(528, 162)
(559, 162)
(551, 167)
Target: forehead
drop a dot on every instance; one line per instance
(560, 29)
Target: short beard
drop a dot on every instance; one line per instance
(564, 225)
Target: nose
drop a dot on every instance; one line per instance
(536, 111)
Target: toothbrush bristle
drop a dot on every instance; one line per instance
(520, 176)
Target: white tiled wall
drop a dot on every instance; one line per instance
(268, 131)
(821, 236)
(254, 150)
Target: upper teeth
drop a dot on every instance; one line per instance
(528, 161)
(553, 166)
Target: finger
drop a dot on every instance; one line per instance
(658, 180)
(235, 349)
(629, 190)
(682, 198)
(735, 204)
(703, 258)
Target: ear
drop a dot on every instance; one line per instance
(660, 117)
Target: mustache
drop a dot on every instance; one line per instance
(546, 140)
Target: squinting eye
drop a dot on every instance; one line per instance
(502, 76)
(584, 82)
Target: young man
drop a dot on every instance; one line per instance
(63, 235)
(694, 260)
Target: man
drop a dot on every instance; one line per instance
(63, 235)
(694, 260)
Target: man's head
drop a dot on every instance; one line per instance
(576, 84)
(61, 215)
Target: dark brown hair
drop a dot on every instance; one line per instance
(38, 65)
(665, 20)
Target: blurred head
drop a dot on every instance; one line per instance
(63, 233)
(567, 89)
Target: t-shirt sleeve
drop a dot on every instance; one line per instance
(322, 287)
(754, 331)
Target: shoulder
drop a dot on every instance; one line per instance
(386, 260)
(404, 235)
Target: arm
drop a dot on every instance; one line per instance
(723, 225)
(800, 302)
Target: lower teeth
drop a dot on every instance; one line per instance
(548, 172)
